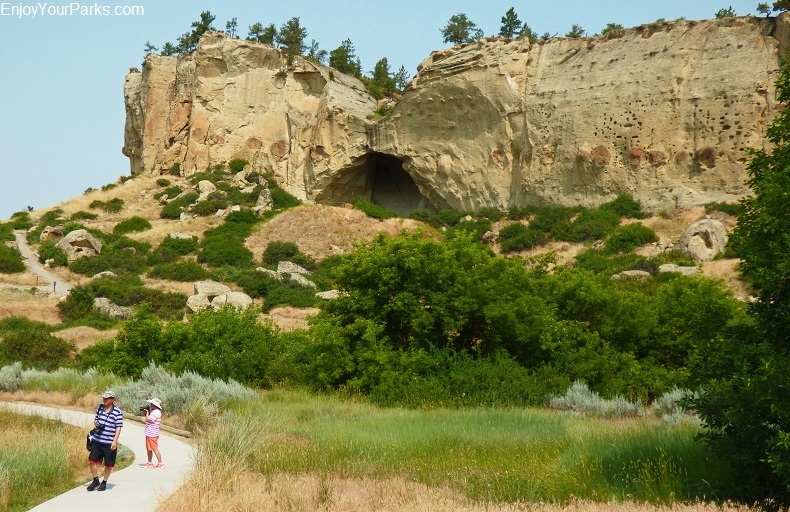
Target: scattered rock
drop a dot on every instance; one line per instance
(637, 275)
(671, 267)
(109, 308)
(211, 289)
(106, 273)
(51, 233)
(302, 280)
(328, 295)
(286, 267)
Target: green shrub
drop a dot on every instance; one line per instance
(218, 252)
(733, 209)
(591, 225)
(169, 192)
(581, 399)
(49, 250)
(282, 200)
(277, 251)
(133, 224)
(6, 232)
(629, 237)
(289, 293)
(237, 165)
(173, 209)
(51, 217)
(209, 207)
(171, 249)
(175, 170)
(624, 205)
(546, 217)
(112, 206)
(22, 220)
(518, 237)
(162, 182)
(116, 259)
(31, 343)
(82, 215)
(10, 260)
(183, 271)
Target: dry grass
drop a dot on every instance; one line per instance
(38, 306)
(289, 318)
(51, 398)
(84, 337)
(321, 231)
(245, 491)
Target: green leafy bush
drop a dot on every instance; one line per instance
(162, 182)
(174, 208)
(175, 170)
(209, 207)
(624, 205)
(171, 249)
(518, 237)
(218, 252)
(21, 220)
(733, 209)
(629, 237)
(112, 206)
(49, 250)
(183, 271)
(131, 225)
(31, 343)
(591, 225)
(237, 165)
(277, 251)
(10, 260)
(119, 254)
(169, 192)
(82, 215)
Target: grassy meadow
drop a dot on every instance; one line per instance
(298, 451)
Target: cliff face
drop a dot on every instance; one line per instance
(665, 111)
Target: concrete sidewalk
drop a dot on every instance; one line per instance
(131, 489)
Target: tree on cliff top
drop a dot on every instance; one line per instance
(291, 38)
(344, 59)
(745, 398)
(188, 42)
(261, 34)
(461, 29)
(511, 25)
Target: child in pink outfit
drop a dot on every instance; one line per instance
(152, 420)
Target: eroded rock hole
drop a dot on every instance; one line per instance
(392, 187)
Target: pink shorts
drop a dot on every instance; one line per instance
(152, 443)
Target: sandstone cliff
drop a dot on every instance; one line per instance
(665, 111)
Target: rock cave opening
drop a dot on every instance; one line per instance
(381, 179)
(392, 187)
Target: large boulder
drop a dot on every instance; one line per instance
(703, 240)
(80, 244)
(109, 308)
(210, 289)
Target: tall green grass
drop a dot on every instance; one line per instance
(491, 455)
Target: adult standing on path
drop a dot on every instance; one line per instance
(58, 284)
(109, 421)
(128, 485)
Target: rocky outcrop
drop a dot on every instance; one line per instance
(211, 294)
(109, 308)
(703, 240)
(79, 244)
(665, 111)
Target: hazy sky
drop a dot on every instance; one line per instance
(62, 72)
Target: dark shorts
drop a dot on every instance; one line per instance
(101, 452)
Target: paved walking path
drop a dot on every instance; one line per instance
(133, 489)
(56, 284)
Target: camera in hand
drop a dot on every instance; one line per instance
(146, 407)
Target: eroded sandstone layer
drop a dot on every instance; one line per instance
(665, 111)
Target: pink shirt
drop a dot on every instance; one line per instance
(152, 423)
